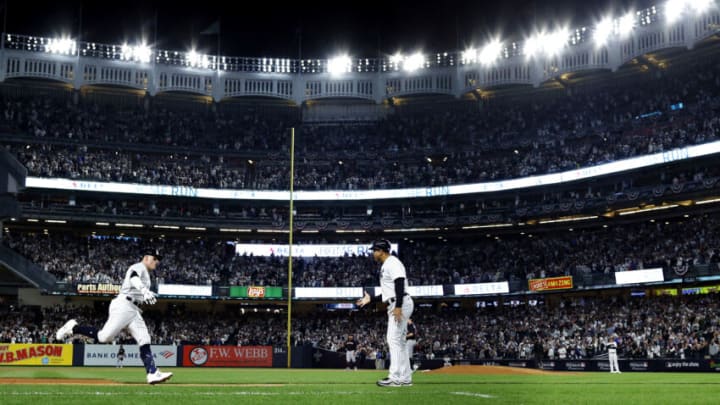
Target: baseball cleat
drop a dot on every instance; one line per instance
(158, 377)
(386, 382)
(66, 331)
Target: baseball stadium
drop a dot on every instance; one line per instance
(409, 203)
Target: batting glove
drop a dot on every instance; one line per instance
(148, 297)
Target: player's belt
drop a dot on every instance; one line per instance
(392, 300)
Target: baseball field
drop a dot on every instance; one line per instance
(463, 385)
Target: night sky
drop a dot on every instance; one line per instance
(273, 29)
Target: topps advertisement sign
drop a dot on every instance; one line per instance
(255, 292)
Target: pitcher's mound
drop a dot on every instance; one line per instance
(492, 370)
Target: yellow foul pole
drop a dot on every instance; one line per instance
(290, 255)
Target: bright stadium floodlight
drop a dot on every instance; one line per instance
(193, 58)
(490, 52)
(142, 53)
(549, 44)
(414, 62)
(554, 43)
(126, 52)
(339, 65)
(533, 45)
(396, 60)
(674, 9)
(700, 6)
(63, 46)
(603, 30)
(626, 24)
(190, 57)
(469, 56)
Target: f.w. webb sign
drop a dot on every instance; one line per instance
(227, 356)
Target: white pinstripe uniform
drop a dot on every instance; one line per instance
(612, 357)
(391, 270)
(124, 312)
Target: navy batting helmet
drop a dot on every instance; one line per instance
(153, 252)
(381, 244)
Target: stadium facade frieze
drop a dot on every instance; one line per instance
(374, 79)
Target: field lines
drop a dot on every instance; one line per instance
(310, 386)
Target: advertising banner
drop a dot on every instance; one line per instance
(665, 291)
(577, 366)
(106, 355)
(685, 365)
(634, 365)
(639, 276)
(420, 290)
(328, 292)
(256, 292)
(98, 288)
(426, 290)
(639, 365)
(708, 289)
(552, 283)
(227, 356)
(185, 289)
(28, 354)
(482, 288)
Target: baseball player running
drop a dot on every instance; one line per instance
(394, 286)
(124, 313)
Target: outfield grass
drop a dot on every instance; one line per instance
(229, 386)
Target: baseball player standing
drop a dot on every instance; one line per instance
(124, 313)
(410, 342)
(612, 356)
(350, 353)
(120, 356)
(394, 286)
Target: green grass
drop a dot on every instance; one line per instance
(227, 386)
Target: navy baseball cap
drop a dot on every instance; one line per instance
(152, 252)
(382, 244)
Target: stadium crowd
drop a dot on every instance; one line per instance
(504, 139)
(686, 327)
(675, 245)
